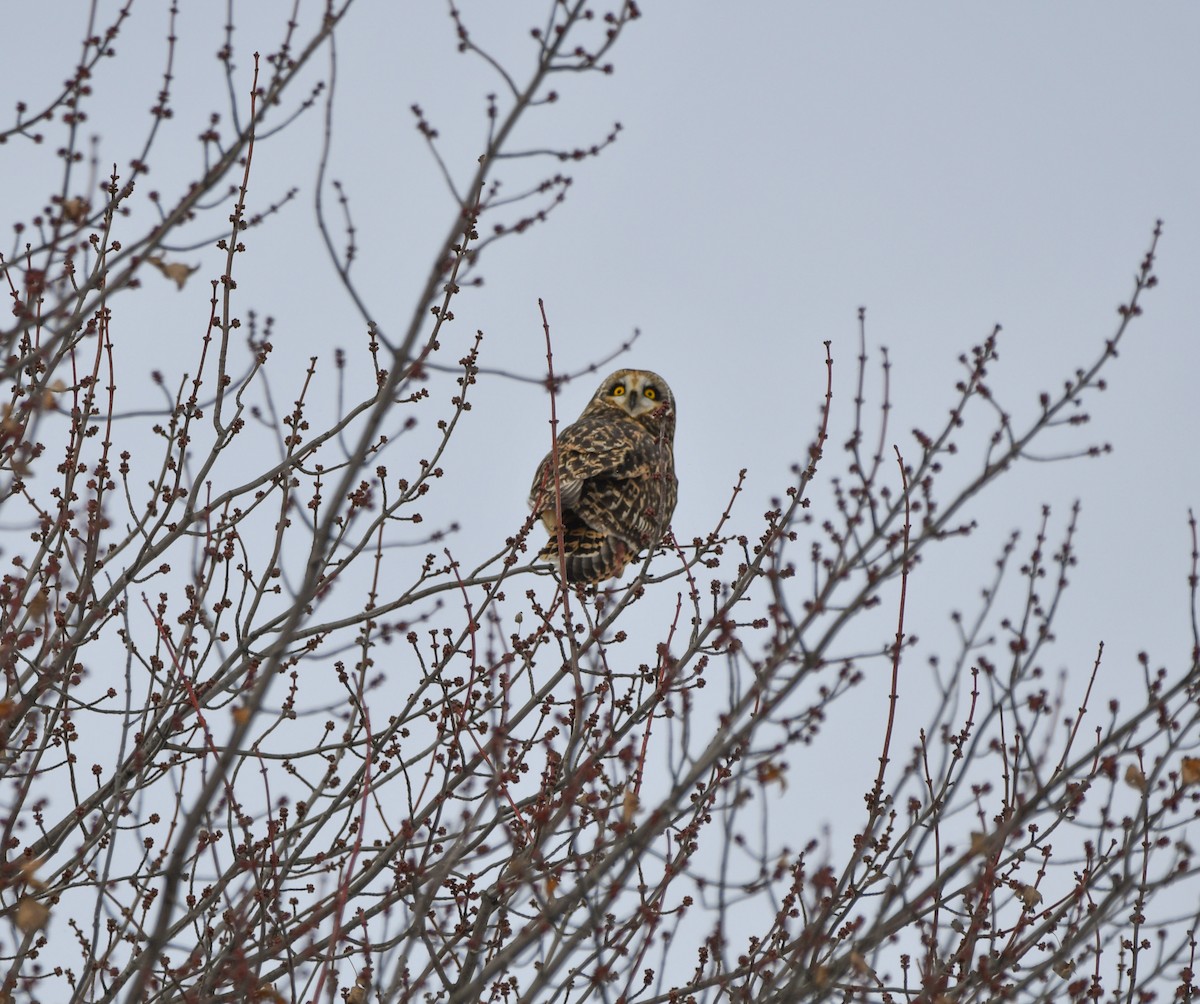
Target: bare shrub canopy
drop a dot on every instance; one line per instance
(268, 737)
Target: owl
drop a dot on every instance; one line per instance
(616, 476)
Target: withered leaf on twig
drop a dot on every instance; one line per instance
(76, 209)
(31, 915)
(176, 271)
(29, 867)
(48, 392)
(36, 606)
(358, 992)
(772, 772)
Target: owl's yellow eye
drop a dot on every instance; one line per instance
(618, 390)
(651, 393)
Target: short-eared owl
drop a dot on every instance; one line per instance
(616, 475)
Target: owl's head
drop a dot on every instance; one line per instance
(639, 393)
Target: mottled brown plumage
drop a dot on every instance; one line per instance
(616, 474)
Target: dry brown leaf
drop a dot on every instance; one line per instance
(75, 209)
(31, 915)
(37, 604)
(57, 387)
(769, 772)
(176, 271)
(9, 426)
(1190, 771)
(29, 867)
(358, 992)
(1135, 778)
(629, 805)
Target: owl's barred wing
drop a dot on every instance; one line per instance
(628, 508)
(587, 450)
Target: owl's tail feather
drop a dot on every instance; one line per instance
(590, 555)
